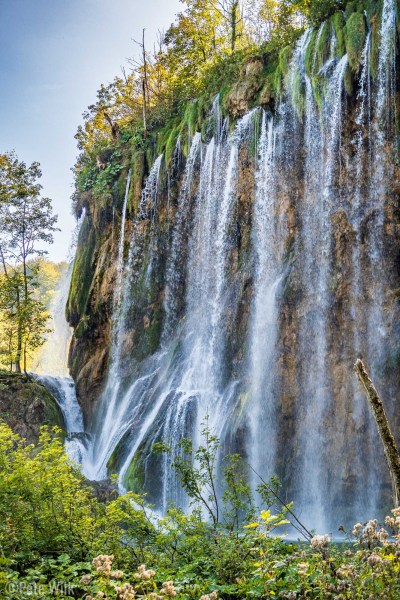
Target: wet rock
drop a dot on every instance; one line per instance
(26, 405)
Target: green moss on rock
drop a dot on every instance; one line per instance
(26, 405)
(339, 24)
(375, 43)
(135, 477)
(323, 45)
(137, 164)
(310, 54)
(355, 35)
(82, 274)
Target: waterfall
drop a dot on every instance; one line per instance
(120, 259)
(53, 356)
(51, 370)
(184, 388)
(387, 64)
(319, 203)
(179, 239)
(263, 333)
(306, 188)
(109, 422)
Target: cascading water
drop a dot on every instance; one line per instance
(320, 200)
(109, 422)
(315, 182)
(263, 333)
(120, 259)
(182, 222)
(51, 369)
(191, 385)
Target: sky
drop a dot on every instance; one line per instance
(54, 54)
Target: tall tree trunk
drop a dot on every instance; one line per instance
(19, 331)
(234, 22)
(389, 445)
(144, 87)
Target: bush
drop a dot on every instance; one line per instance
(58, 540)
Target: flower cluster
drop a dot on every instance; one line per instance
(302, 569)
(288, 595)
(168, 589)
(320, 541)
(212, 596)
(369, 533)
(345, 572)
(126, 592)
(374, 559)
(103, 563)
(143, 573)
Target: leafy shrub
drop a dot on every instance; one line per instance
(58, 540)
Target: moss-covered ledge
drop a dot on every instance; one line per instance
(26, 405)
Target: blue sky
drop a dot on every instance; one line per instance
(54, 54)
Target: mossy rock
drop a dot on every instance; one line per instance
(138, 169)
(323, 45)
(278, 77)
(310, 54)
(339, 23)
(26, 405)
(375, 46)
(298, 94)
(171, 145)
(82, 274)
(349, 81)
(135, 476)
(355, 36)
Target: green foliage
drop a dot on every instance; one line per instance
(44, 508)
(355, 35)
(58, 540)
(26, 223)
(320, 10)
(197, 472)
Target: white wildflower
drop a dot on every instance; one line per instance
(320, 541)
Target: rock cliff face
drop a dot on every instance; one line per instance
(27, 405)
(262, 297)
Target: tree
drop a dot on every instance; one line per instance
(193, 42)
(9, 325)
(231, 12)
(26, 224)
(261, 19)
